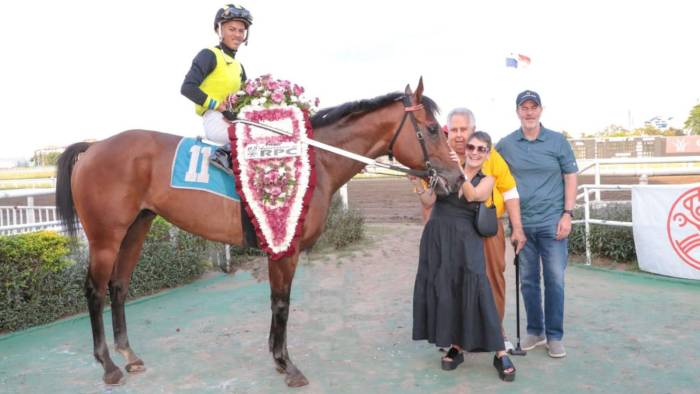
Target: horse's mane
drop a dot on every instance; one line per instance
(331, 115)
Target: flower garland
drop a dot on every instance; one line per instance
(274, 173)
(266, 91)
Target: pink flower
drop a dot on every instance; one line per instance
(250, 88)
(298, 90)
(272, 84)
(270, 178)
(275, 191)
(277, 96)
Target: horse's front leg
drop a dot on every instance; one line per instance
(281, 275)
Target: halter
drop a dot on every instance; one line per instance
(408, 111)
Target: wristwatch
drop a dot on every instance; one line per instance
(570, 212)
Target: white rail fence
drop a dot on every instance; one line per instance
(587, 220)
(643, 167)
(29, 217)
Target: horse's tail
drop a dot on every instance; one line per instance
(64, 194)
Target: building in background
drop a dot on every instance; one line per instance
(661, 123)
(47, 156)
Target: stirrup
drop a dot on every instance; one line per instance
(221, 159)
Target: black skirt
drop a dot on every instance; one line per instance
(452, 299)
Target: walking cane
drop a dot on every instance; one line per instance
(518, 351)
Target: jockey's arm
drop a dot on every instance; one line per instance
(202, 65)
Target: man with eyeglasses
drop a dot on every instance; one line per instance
(461, 125)
(545, 169)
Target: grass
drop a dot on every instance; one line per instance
(24, 185)
(27, 173)
(27, 178)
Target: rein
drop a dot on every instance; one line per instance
(429, 172)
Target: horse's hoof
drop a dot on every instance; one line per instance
(114, 377)
(296, 380)
(135, 367)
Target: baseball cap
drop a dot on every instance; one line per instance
(528, 95)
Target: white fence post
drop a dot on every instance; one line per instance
(586, 218)
(30, 212)
(344, 195)
(597, 180)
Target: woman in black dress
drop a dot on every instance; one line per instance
(453, 306)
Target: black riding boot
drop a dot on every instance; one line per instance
(222, 158)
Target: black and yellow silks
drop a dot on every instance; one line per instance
(222, 81)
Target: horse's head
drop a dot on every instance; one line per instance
(423, 145)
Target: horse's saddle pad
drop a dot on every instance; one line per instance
(191, 170)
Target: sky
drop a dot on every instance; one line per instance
(77, 70)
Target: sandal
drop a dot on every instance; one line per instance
(455, 358)
(502, 364)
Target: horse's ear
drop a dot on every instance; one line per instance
(419, 90)
(408, 91)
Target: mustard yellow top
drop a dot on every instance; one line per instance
(497, 167)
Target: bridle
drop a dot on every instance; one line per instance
(408, 112)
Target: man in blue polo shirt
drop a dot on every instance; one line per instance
(544, 167)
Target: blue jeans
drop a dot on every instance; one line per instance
(541, 244)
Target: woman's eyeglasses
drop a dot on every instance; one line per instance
(480, 149)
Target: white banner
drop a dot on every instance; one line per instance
(666, 224)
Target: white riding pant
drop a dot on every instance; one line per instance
(216, 127)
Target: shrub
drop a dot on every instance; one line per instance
(616, 243)
(37, 279)
(343, 227)
(43, 280)
(170, 258)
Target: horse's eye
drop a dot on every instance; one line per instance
(433, 128)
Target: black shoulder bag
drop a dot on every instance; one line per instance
(485, 220)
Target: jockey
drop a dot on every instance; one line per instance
(215, 73)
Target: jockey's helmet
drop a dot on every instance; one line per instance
(233, 12)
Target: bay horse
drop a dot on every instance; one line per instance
(117, 186)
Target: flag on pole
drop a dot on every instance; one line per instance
(518, 60)
(525, 60)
